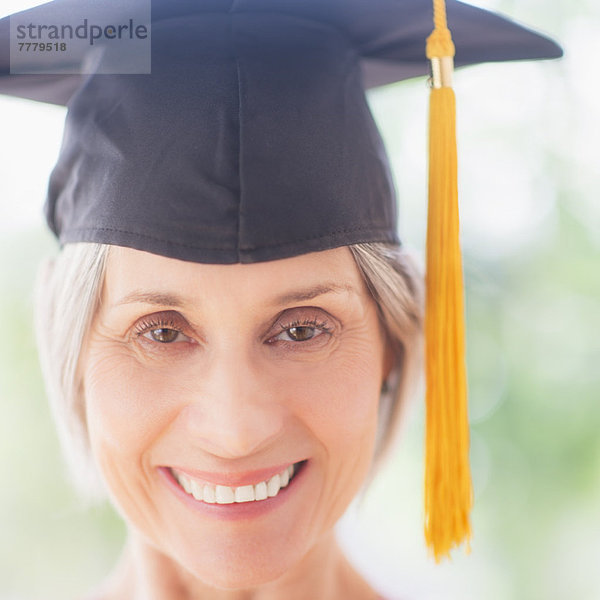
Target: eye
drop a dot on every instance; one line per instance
(301, 333)
(163, 328)
(302, 330)
(164, 335)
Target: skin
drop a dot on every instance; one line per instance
(230, 369)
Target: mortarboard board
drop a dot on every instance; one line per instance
(251, 139)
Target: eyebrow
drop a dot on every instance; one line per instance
(300, 295)
(304, 294)
(157, 298)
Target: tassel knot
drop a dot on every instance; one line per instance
(440, 44)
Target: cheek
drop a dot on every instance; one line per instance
(124, 420)
(123, 409)
(339, 399)
(340, 408)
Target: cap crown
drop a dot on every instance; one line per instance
(250, 140)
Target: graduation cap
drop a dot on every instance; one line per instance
(251, 140)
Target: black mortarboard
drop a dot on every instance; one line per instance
(252, 140)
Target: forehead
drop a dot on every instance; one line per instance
(132, 273)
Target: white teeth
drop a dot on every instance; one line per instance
(260, 491)
(209, 494)
(224, 494)
(186, 484)
(244, 493)
(273, 486)
(196, 489)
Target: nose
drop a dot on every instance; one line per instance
(236, 409)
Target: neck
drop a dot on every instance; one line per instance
(145, 573)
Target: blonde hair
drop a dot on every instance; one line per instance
(68, 294)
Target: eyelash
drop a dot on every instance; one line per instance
(152, 323)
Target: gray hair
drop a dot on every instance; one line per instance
(68, 294)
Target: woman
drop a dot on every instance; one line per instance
(230, 328)
(200, 403)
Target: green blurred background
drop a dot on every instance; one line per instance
(529, 180)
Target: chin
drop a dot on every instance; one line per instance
(239, 569)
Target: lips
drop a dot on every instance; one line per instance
(223, 494)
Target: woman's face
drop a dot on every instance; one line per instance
(216, 379)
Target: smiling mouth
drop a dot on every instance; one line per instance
(224, 494)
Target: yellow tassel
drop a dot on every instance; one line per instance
(448, 490)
